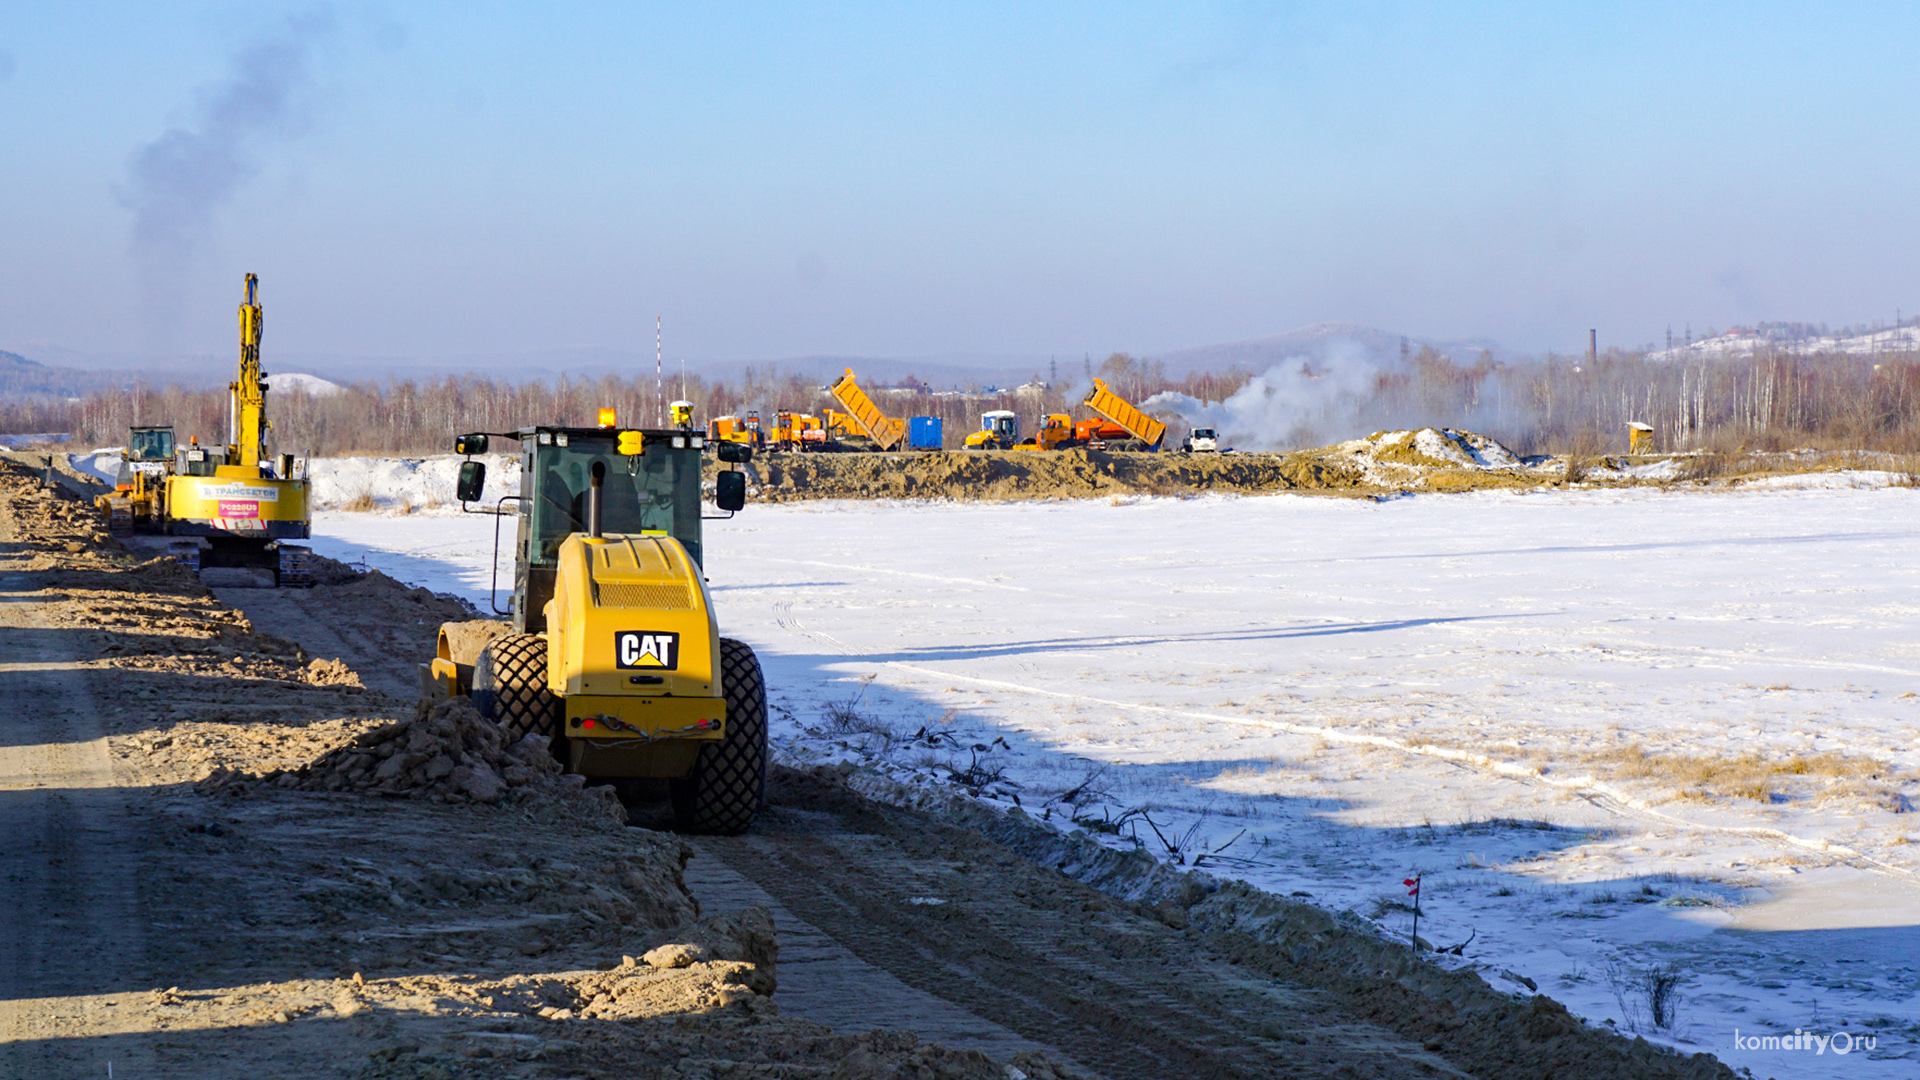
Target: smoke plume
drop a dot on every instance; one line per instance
(177, 184)
(1300, 401)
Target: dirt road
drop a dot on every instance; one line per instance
(194, 891)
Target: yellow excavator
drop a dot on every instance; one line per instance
(611, 649)
(238, 502)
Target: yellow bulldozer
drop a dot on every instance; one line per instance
(611, 649)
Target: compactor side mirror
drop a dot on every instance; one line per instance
(473, 479)
(734, 453)
(470, 444)
(730, 490)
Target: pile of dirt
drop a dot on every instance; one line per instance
(1003, 475)
(448, 752)
(1438, 459)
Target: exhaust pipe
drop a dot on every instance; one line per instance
(596, 480)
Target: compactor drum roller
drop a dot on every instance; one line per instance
(612, 651)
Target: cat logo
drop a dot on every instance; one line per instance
(641, 649)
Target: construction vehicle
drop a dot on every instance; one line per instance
(1056, 433)
(734, 429)
(999, 430)
(1117, 425)
(1143, 431)
(798, 431)
(138, 499)
(612, 651)
(236, 506)
(885, 431)
(1201, 440)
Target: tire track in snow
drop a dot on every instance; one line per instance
(1599, 793)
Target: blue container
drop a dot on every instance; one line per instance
(923, 433)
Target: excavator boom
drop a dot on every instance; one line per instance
(249, 399)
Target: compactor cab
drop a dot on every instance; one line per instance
(611, 651)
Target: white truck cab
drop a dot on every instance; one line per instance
(1201, 440)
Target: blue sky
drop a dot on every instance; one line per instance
(474, 180)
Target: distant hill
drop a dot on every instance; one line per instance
(1793, 339)
(21, 377)
(73, 373)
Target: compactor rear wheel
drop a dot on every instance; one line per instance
(510, 686)
(728, 784)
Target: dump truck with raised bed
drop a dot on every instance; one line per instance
(885, 431)
(610, 649)
(1146, 432)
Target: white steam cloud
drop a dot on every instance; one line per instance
(1300, 401)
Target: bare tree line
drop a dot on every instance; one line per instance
(1553, 404)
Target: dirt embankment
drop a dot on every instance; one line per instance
(1430, 460)
(1012, 474)
(191, 894)
(1385, 461)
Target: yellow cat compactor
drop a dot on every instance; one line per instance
(612, 650)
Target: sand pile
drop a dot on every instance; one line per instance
(447, 753)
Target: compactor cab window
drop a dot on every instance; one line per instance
(657, 491)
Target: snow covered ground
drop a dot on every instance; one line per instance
(1615, 731)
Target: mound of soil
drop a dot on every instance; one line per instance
(448, 752)
(1000, 475)
(1426, 459)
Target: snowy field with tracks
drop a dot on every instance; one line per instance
(1620, 734)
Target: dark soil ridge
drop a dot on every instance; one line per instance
(1486, 1033)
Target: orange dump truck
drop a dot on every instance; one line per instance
(1122, 413)
(885, 431)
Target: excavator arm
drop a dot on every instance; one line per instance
(249, 394)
